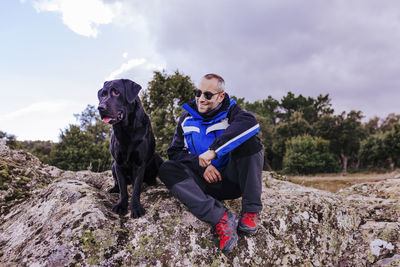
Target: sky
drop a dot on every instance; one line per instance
(56, 54)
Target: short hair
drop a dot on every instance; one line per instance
(221, 82)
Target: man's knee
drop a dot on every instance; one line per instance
(255, 159)
(172, 172)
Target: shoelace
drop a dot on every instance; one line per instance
(251, 216)
(221, 226)
(249, 219)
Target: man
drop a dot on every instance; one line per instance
(215, 155)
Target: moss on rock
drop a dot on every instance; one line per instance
(70, 212)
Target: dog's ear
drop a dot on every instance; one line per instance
(101, 90)
(131, 90)
(99, 93)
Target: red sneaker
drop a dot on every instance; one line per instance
(248, 222)
(226, 230)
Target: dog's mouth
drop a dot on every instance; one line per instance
(107, 120)
(110, 120)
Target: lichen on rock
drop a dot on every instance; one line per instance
(51, 217)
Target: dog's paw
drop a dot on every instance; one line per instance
(115, 189)
(137, 211)
(120, 208)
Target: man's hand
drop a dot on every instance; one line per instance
(206, 158)
(212, 175)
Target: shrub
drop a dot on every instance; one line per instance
(308, 155)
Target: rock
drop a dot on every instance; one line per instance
(378, 244)
(4, 150)
(21, 175)
(64, 219)
(393, 261)
(278, 176)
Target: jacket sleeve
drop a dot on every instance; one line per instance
(242, 126)
(179, 152)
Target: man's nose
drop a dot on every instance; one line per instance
(202, 97)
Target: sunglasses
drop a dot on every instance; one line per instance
(207, 95)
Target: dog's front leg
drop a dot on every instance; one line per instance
(136, 207)
(121, 207)
(115, 188)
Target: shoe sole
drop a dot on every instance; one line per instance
(247, 230)
(234, 238)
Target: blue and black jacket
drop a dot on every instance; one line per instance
(224, 131)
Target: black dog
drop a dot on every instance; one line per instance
(132, 142)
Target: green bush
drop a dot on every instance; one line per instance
(381, 149)
(77, 151)
(372, 151)
(84, 146)
(308, 155)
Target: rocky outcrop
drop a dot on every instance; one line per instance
(51, 217)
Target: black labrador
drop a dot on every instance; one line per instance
(132, 142)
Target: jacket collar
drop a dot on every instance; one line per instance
(222, 112)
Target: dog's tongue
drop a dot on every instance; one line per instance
(107, 120)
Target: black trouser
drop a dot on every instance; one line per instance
(240, 178)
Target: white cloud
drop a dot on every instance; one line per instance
(40, 120)
(125, 67)
(344, 49)
(154, 67)
(39, 107)
(82, 17)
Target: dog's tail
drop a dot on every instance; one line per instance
(152, 167)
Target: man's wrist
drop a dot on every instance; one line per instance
(213, 152)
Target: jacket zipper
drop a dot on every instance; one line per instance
(191, 138)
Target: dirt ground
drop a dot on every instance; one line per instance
(334, 182)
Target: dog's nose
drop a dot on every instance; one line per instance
(101, 107)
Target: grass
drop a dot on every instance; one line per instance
(334, 182)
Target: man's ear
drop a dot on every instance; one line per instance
(221, 97)
(131, 90)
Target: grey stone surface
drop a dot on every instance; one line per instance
(51, 217)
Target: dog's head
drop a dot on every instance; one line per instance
(116, 99)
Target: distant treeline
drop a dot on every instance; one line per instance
(301, 135)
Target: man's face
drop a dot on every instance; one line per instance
(209, 85)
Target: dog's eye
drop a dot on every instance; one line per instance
(103, 93)
(114, 92)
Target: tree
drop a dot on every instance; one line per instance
(344, 132)
(91, 123)
(84, 146)
(308, 155)
(41, 149)
(372, 126)
(239, 101)
(372, 151)
(162, 101)
(312, 109)
(291, 117)
(389, 122)
(322, 106)
(265, 135)
(72, 152)
(11, 140)
(392, 146)
(381, 149)
(268, 108)
(295, 126)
